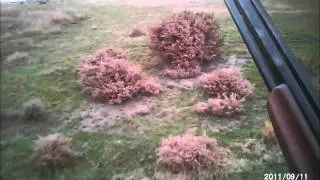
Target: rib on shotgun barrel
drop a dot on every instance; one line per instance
(293, 104)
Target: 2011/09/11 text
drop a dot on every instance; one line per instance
(285, 176)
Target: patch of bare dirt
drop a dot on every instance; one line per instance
(98, 117)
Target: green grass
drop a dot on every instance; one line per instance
(101, 157)
(251, 72)
(237, 135)
(58, 89)
(301, 32)
(259, 171)
(187, 97)
(15, 153)
(52, 76)
(233, 43)
(106, 155)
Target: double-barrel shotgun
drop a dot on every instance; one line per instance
(293, 104)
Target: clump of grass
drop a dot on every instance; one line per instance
(268, 131)
(53, 151)
(34, 109)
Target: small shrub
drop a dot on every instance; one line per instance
(268, 131)
(188, 152)
(186, 40)
(183, 70)
(53, 151)
(226, 106)
(114, 81)
(108, 52)
(225, 82)
(202, 107)
(149, 87)
(34, 109)
(107, 76)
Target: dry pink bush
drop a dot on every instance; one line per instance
(189, 152)
(225, 82)
(107, 76)
(226, 106)
(53, 151)
(108, 52)
(112, 81)
(149, 87)
(183, 70)
(202, 107)
(186, 40)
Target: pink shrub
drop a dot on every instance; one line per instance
(202, 107)
(183, 70)
(189, 152)
(149, 87)
(187, 40)
(107, 76)
(115, 53)
(224, 107)
(114, 81)
(225, 82)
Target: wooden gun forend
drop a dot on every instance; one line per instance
(300, 147)
(296, 119)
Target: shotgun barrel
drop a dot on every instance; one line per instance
(280, 70)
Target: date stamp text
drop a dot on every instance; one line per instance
(285, 176)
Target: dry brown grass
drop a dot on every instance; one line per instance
(34, 109)
(31, 22)
(53, 151)
(23, 22)
(268, 131)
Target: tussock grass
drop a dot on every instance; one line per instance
(34, 109)
(53, 151)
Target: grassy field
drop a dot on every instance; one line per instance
(298, 22)
(40, 62)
